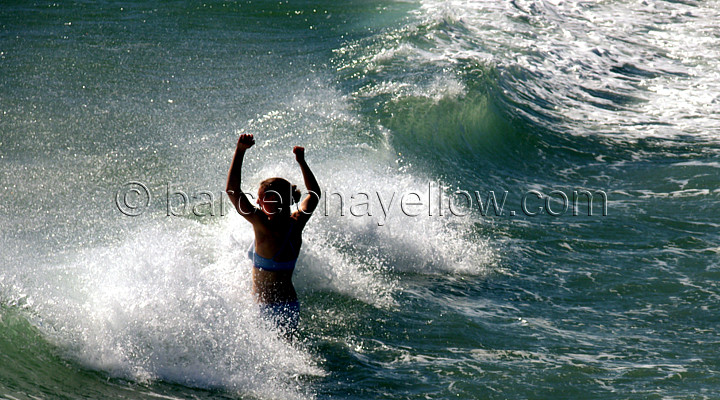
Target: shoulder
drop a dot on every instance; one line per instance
(261, 223)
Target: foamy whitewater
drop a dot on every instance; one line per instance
(123, 271)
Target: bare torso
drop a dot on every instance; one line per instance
(272, 221)
(272, 240)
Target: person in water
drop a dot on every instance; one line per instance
(278, 235)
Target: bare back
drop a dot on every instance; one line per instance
(281, 242)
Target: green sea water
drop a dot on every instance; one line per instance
(122, 273)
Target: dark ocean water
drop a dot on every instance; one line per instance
(411, 112)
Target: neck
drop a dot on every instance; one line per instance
(279, 217)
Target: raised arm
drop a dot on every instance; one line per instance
(309, 203)
(236, 195)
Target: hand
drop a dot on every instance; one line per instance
(299, 153)
(245, 141)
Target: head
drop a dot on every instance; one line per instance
(275, 196)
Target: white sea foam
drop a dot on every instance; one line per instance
(171, 302)
(167, 298)
(626, 70)
(352, 253)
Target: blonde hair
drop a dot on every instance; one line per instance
(288, 193)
